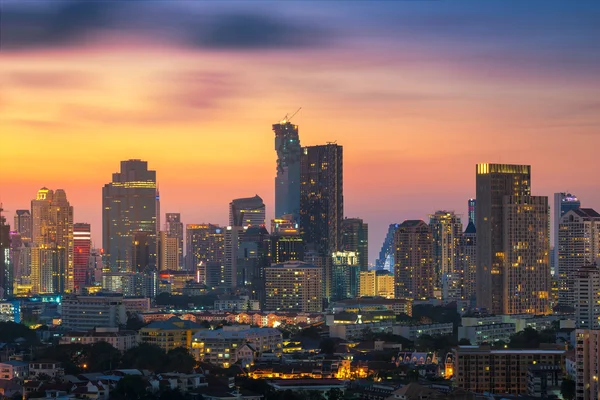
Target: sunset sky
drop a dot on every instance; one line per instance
(416, 92)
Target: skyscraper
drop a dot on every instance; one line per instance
(286, 242)
(205, 243)
(129, 205)
(414, 274)
(446, 230)
(526, 269)
(322, 203)
(253, 256)
(387, 252)
(294, 286)
(287, 181)
(82, 246)
(169, 252)
(494, 181)
(175, 229)
(23, 224)
(52, 252)
(578, 246)
(246, 212)
(5, 260)
(355, 238)
(563, 202)
(472, 206)
(468, 260)
(345, 275)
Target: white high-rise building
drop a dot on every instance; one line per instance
(578, 246)
(587, 359)
(587, 298)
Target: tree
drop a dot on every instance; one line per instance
(101, 356)
(464, 342)
(11, 331)
(145, 356)
(171, 394)
(129, 388)
(134, 322)
(335, 394)
(567, 388)
(180, 360)
(327, 346)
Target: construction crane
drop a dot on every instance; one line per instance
(287, 119)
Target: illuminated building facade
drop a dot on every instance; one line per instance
(586, 291)
(472, 204)
(23, 224)
(587, 354)
(205, 243)
(493, 182)
(169, 251)
(247, 212)
(294, 286)
(414, 274)
(21, 264)
(468, 261)
(376, 283)
(526, 255)
(480, 369)
(355, 237)
(6, 281)
(446, 231)
(387, 253)
(287, 181)
(82, 246)
(253, 256)
(286, 242)
(345, 275)
(322, 203)
(52, 251)
(578, 246)
(129, 205)
(174, 227)
(563, 202)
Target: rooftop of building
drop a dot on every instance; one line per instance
(232, 334)
(487, 349)
(586, 213)
(470, 228)
(293, 264)
(172, 323)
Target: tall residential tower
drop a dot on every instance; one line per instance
(287, 181)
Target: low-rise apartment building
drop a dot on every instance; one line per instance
(14, 369)
(101, 311)
(481, 334)
(412, 332)
(480, 369)
(170, 334)
(120, 340)
(226, 346)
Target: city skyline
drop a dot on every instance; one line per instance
(507, 87)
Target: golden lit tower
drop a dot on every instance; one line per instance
(494, 181)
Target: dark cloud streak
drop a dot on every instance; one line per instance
(72, 22)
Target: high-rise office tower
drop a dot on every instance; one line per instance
(468, 259)
(563, 202)
(472, 206)
(526, 252)
(287, 181)
(6, 279)
(322, 203)
(578, 246)
(140, 252)
(205, 244)
(494, 181)
(129, 205)
(345, 275)
(169, 252)
(253, 256)
(175, 229)
(21, 264)
(248, 211)
(286, 242)
(414, 274)
(82, 246)
(386, 255)
(446, 230)
(355, 238)
(294, 286)
(23, 224)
